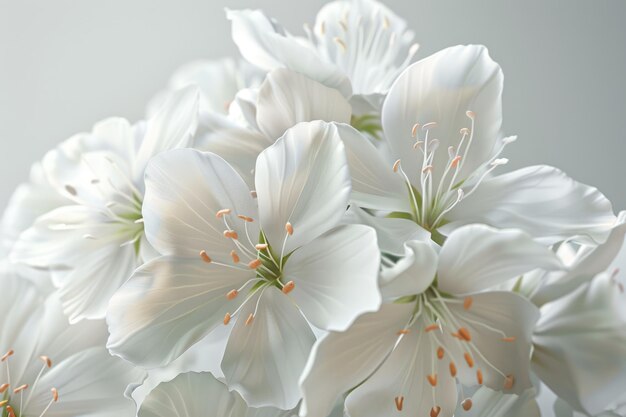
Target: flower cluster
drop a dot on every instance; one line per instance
(319, 229)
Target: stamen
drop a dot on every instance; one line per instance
(396, 165)
(466, 404)
(399, 402)
(3, 388)
(464, 131)
(432, 379)
(341, 43)
(254, 264)
(227, 318)
(55, 394)
(222, 212)
(467, 303)
(205, 257)
(431, 327)
(3, 403)
(46, 360)
(253, 194)
(427, 169)
(509, 339)
(469, 359)
(403, 331)
(250, 319)
(455, 161)
(470, 114)
(418, 144)
(289, 287)
(465, 334)
(440, 353)
(231, 234)
(245, 218)
(7, 355)
(233, 254)
(509, 381)
(232, 294)
(479, 376)
(20, 389)
(429, 125)
(289, 228)
(452, 369)
(414, 130)
(10, 411)
(70, 189)
(261, 246)
(434, 412)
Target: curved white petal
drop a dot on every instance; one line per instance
(185, 189)
(413, 273)
(173, 126)
(404, 374)
(302, 179)
(374, 184)
(490, 403)
(441, 89)
(336, 276)
(170, 304)
(341, 360)
(264, 359)
(477, 257)
(580, 344)
(541, 200)
(287, 98)
(492, 318)
(265, 44)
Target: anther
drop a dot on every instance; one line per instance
(396, 165)
(399, 402)
(479, 376)
(499, 161)
(10, 411)
(455, 161)
(233, 254)
(245, 218)
(464, 131)
(431, 327)
(466, 404)
(20, 389)
(414, 130)
(254, 264)
(250, 319)
(427, 169)
(510, 339)
(465, 334)
(289, 228)
(341, 43)
(403, 331)
(221, 213)
(227, 318)
(440, 352)
(467, 302)
(232, 294)
(289, 287)
(231, 234)
(452, 369)
(470, 114)
(7, 355)
(432, 379)
(343, 25)
(509, 381)
(418, 144)
(3, 403)
(55, 394)
(261, 246)
(434, 412)
(46, 360)
(469, 359)
(253, 194)
(3, 388)
(429, 125)
(70, 189)
(205, 257)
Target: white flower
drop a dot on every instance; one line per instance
(200, 395)
(50, 368)
(443, 121)
(271, 270)
(355, 46)
(94, 242)
(444, 327)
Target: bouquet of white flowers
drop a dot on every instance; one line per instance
(319, 229)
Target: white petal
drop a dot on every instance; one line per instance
(404, 373)
(184, 191)
(287, 98)
(490, 403)
(172, 127)
(392, 233)
(336, 276)
(263, 360)
(170, 304)
(541, 200)
(341, 360)
(580, 344)
(302, 179)
(374, 184)
(441, 89)
(477, 257)
(265, 44)
(413, 273)
(492, 317)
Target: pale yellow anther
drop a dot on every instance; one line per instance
(7, 355)
(289, 228)
(289, 287)
(509, 381)
(46, 360)
(396, 165)
(55, 394)
(250, 319)
(467, 302)
(432, 379)
(3, 403)
(245, 218)
(479, 376)
(470, 114)
(464, 131)
(205, 257)
(261, 246)
(341, 43)
(254, 264)
(399, 402)
(414, 129)
(231, 234)
(233, 254)
(465, 334)
(466, 404)
(20, 389)
(222, 212)
(227, 318)
(434, 412)
(232, 294)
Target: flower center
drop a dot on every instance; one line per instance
(15, 398)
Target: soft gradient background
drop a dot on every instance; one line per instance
(65, 64)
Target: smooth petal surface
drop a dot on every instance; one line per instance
(302, 179)
(336, 276)
(580, 343)
(477, 257)
(185, 189)
(170, 304)
(441, 89)
(413, 273)
(264, 359)
(287, 98)
(265, 44)
(541, 200)
(404, 374)
(341, 360)
(490, 403)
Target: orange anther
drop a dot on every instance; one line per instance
(250, 319)
(396, 165)
(10, 411)
(509, 381)
(55, 394)
(399, 402)
(254, 264)
(233, 254)
(469, 359)
(46, 360)
(289, 228)
(403, 331)
(3, 388)
(289, 287)
(205, 257)
(434, 412)
(479, 376)
(509, 339)
(465, 334)
(466, 404)
(221, 213)
(432, 327)
(452, 369)
(455, 161)
(246, 218)
(20, 389)
(432, 379)
(232, 294)
(467, 302)
(227, 319)
(231, 234)
(440, 352)
(7, 355)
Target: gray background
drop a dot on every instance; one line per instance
(65, 64)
